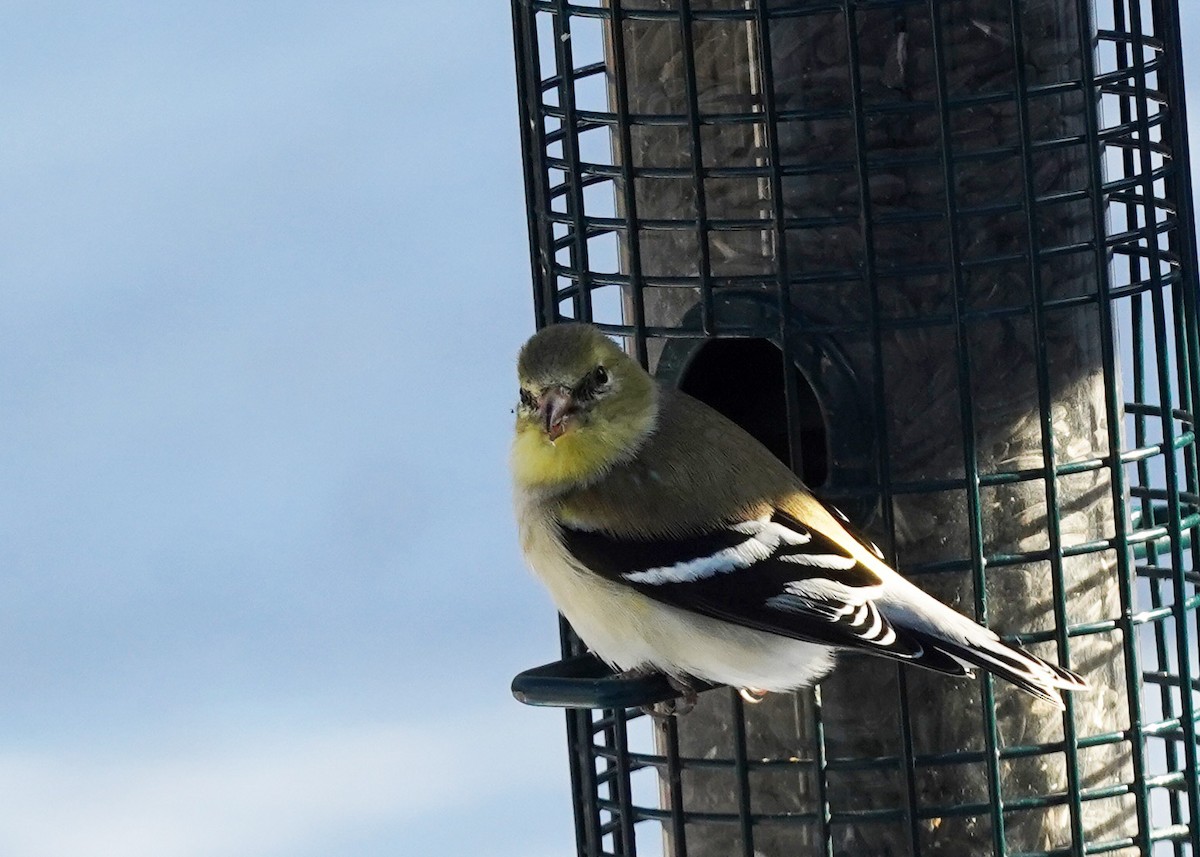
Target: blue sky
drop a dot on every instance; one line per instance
(264, 273)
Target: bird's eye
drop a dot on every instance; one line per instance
(591, 384)
(527, 399)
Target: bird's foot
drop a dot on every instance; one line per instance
(752, 695)
(682, 704)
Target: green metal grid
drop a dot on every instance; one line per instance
(631, 774)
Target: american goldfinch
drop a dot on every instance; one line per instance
(673, 541)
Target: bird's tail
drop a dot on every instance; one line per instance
(952, 642)
(1027, 671)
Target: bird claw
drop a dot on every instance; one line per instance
(671, 707)
(682, 704)
(752, 695)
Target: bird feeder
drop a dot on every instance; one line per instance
(939, 256)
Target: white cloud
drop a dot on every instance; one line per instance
(266, 793)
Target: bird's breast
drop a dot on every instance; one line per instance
(609, 617)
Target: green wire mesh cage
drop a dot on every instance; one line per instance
(939, 255)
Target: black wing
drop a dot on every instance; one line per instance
(772, 574)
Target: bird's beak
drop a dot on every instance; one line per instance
(554, 406)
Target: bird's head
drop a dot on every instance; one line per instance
(584, 406)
